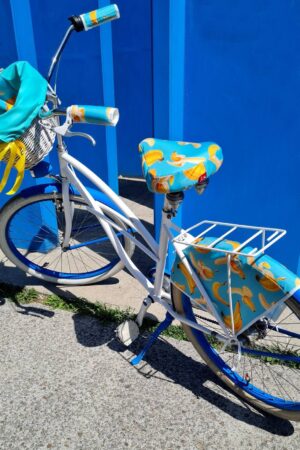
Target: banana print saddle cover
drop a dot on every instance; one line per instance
(171, 166)
(258, 285)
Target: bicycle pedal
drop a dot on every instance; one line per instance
(127, 332)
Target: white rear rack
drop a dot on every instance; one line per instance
(260, 237)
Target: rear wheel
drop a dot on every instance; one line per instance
(268, 372)
(31, 235)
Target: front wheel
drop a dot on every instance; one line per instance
(268, 372)
(31, 235)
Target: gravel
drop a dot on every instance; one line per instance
(67, 383)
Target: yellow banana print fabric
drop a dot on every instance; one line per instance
(15, 151)
(15, 155)
(170, 166)
(258, 285)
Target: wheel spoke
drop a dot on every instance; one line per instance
(38, 244)
(270, 364)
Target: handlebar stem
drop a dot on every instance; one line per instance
(59, 51)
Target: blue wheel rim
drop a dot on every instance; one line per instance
(47, 272)
(239, 381)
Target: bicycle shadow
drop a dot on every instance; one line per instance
(168, 364)
(135, 189)
(16, 277)
(27, 310)
(34, 311)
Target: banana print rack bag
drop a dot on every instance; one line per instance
(24, 141)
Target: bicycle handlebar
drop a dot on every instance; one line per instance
(94, 18)
(97, 115)
(85, 22)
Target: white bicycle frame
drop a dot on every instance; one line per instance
(157, 252)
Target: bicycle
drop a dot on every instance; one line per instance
(239, 307)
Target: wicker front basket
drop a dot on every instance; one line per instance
(38, 141)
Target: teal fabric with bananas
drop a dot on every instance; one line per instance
(258, 285)
(97, 115)
(22, 94)
(173, 166)
(99, 16)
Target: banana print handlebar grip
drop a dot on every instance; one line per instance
(98, 115)
(99, 16)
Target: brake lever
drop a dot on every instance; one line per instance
(64, 130)
(84, 135)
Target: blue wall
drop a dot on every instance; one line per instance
(132, 42)
(81, 75)
(232, 68)
(242, 89)
(16, 46)
(8, 49)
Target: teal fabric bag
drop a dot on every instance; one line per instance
(22, 93)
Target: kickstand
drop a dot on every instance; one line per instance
(154, 336)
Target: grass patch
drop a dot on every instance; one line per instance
(108, 314)
(18, 294)
(56, 302)
(26, 296)
(104, 313)
(173, 331)
(82, 306)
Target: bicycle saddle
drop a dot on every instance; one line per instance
(171, 166)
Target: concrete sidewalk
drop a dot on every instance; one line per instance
(67, 383)
(121, 290)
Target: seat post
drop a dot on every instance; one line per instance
(172, 202)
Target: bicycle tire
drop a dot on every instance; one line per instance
(14, 212)
(249, 392)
